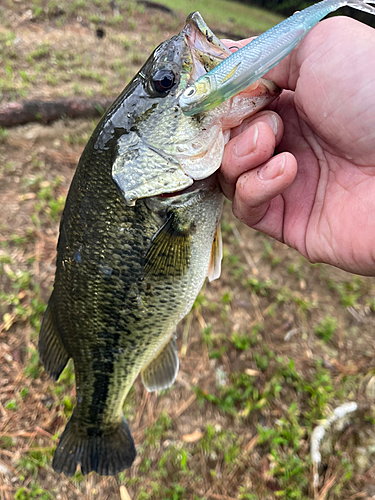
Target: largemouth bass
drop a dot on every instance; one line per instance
(138, 236)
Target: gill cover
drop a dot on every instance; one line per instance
(142, 170)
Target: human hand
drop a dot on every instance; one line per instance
(324, 122)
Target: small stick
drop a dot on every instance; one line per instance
(8, 467)
(319, 433)
(185, 334)
(248, 447)
(185, 406)
(327, 486)
(248, 258)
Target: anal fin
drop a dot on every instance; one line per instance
(162, 371)
(52, 353)
(214, 268)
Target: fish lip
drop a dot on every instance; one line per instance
(197, 185)
(196, 26)
(206, 48)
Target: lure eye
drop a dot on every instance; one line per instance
(189, 92)
(163, 80)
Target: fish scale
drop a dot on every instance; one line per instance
(130, 263)
(130, 322)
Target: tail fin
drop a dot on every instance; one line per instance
(105, 453)
(362, 5)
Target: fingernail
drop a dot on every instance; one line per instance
(273, 169)
(243, 148)
(274, 125)
(268, 118)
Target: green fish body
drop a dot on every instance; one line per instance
(138, 236)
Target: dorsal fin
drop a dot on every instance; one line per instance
(162, 371)
(169, 253)
(52, 353)
(214, 268)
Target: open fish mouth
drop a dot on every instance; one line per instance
(164, 152)
(201, 157)
(206, 48)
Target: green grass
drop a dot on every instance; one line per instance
(46, 64)
(243, 341)
(227, 15)
(34, 460)
(33, 492)
(23, 301)
(326, 328)
(3, 135)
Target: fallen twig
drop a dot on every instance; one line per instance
(185, 406)
(14, 113)
(317, 437)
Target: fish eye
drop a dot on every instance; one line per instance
(163, 80)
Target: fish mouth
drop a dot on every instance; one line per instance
(206, 48)
(203, 184)
(201, 156)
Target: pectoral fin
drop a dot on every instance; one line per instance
(170, 251)
(162, 371)
(52, 353)
(214, 268)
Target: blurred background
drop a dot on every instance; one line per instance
(267, 352)
(288, 7)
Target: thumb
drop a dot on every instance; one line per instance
(257, 199)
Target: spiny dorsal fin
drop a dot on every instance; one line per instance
(162, 371)
(214, 268)
(52, 353)
(169, 253)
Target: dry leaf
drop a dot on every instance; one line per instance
(27, 196)
(124, 495)
(252, 373)
(191, 438)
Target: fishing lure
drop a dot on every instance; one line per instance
(247, 65)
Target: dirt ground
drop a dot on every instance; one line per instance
(266, 354)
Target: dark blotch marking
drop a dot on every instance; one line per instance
(103, 370)
(209, 37)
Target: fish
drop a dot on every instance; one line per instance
(254, 60)
(139, 234)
